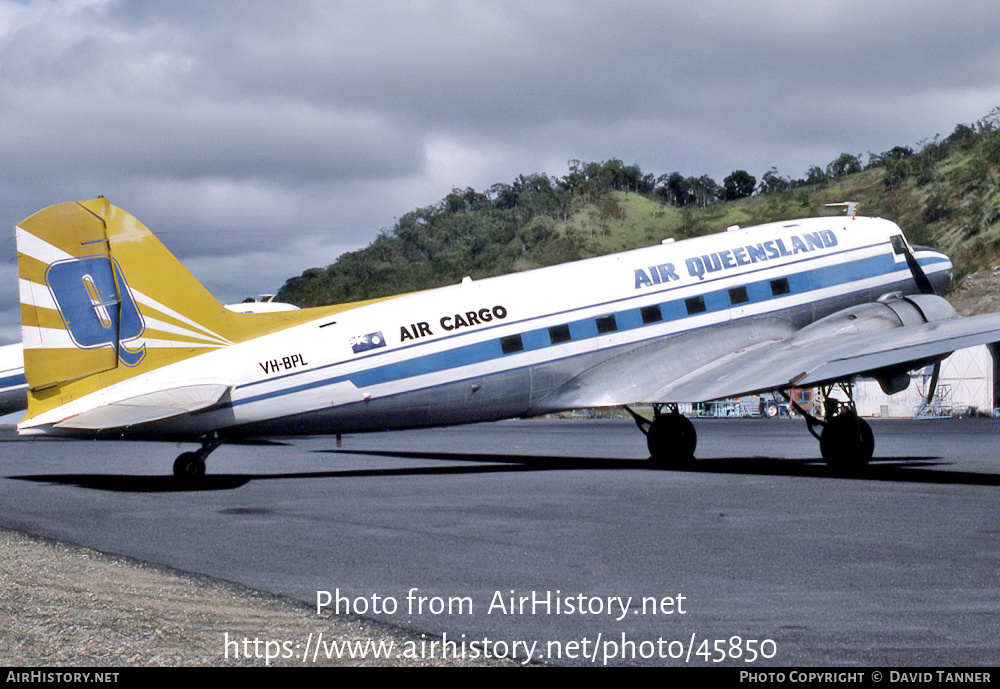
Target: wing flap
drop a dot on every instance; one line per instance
(637, 374)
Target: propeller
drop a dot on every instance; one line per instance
(925, 287)
(923, 283)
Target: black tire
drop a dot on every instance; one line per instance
(847, 443)
(189, 466)
(671, 440)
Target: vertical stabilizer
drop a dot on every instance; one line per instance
(102, 300)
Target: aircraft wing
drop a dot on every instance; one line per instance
(764, 356)
(783, 364)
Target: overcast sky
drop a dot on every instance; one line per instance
(258, 139)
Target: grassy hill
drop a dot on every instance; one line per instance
(946, 195)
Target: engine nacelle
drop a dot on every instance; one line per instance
(891, 311)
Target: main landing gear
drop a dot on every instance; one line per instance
(670, 436)
(846, 440)
(190, 466)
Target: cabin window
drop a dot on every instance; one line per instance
(606, 324)
(738, 295)
(695, 305)
(779, 287)
(559, 333)
(651, 314)
(511, 344)
(898, 245)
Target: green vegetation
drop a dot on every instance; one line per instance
(946, 193)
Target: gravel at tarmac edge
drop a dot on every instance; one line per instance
(65, 605)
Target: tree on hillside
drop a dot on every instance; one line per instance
(894, 153)
(675, 190)
(845, 164)
(963, 134)
(503, 196)
(815, 175)
(611, 175)
(738, 185)
(705, 190)
(772, 183)
(464, 201)
(680, 191)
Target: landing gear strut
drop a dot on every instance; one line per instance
(190, 466)
(846, 440)
(670, 437)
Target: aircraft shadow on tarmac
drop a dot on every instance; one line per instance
(895, 469)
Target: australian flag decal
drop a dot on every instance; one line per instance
(362, 343)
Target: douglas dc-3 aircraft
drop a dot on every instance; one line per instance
(121, 341)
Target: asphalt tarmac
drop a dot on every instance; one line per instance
(556, 538)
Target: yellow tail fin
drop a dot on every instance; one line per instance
(103, 300)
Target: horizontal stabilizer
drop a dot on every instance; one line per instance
(151, 406)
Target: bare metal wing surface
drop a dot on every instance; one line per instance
(777, 359)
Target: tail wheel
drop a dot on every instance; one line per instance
(847, 442)
(671, 440)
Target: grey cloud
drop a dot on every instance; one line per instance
(243, 130)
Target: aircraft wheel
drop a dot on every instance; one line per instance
(847, 442)
(671, 440)
(189, 466)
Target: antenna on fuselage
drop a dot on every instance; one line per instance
(851, 207)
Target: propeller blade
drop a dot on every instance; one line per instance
(931, 390)
(919, 276)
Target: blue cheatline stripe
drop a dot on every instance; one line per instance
(628, 319)
(14, 381)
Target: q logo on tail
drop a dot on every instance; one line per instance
(96, 312)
